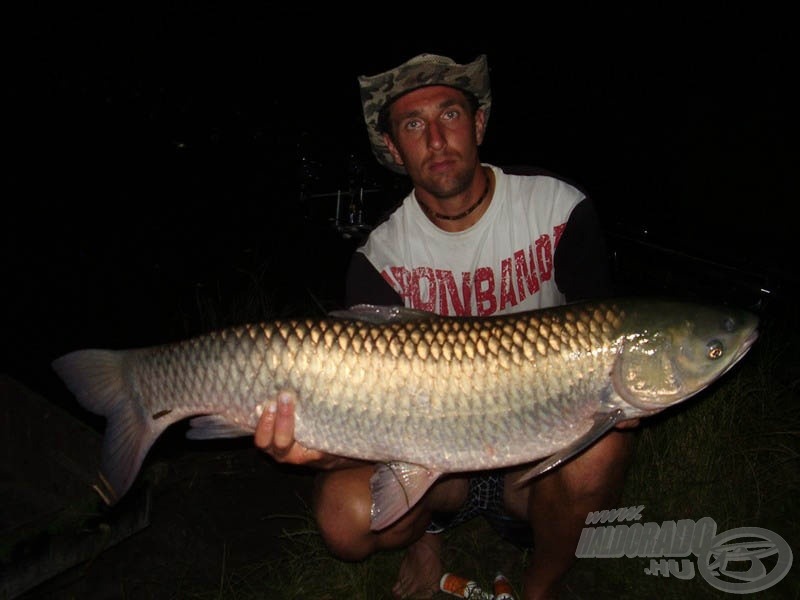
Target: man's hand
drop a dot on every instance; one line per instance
(275, 432)
(275, 436)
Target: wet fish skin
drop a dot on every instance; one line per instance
(422, 393)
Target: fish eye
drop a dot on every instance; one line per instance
(715, 349)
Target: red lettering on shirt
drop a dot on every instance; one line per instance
(507, 296)
(402, 277)
(484, 291)
(557, 231)
(423, 280)
(448, 293)
(544, 257)
(527, 282)
(520, 276)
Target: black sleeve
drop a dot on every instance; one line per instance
(364, 285)
(582, 264)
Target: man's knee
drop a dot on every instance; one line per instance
(600, 471)
(610, 457)
(597, 472)
(342, 505)
(343, 510)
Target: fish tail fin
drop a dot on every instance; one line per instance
(96, 377)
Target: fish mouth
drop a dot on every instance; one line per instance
(744, 349)
(749, 341)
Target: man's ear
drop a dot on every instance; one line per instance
(480, 125)
(387, 139)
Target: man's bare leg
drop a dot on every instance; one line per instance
(421, 568)
(342, 506)
(558, 503)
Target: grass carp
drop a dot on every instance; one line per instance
(419, 394)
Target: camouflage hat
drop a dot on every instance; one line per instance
(426, 69)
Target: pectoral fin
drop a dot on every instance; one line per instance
(602, 424)
(396, 487)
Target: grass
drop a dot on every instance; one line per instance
(730, 454)
(307, 570)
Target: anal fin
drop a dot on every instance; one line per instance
(209, 427)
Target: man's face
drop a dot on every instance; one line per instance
(436, 138)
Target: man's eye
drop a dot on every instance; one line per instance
(451, 114)
(413, 124)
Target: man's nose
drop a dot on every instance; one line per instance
(436, 139)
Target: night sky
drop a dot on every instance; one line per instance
(158, 155)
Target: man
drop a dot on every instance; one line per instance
(468, 240)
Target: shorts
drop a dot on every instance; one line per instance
(485, 499)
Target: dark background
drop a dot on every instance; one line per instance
(171, 168)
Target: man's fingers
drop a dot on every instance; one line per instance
(265, 430)
(283, 436)
(275, 432)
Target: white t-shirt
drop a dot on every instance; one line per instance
(502, 264)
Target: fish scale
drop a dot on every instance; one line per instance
(384, 384)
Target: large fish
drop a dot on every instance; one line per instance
(420, 394)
